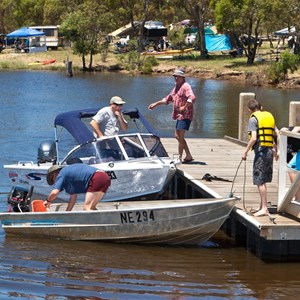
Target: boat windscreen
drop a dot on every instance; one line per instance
(154, 145)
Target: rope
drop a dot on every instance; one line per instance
(244, 184)
(235, 176)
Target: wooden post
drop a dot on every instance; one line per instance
(244, 115)
(69, 68)
(294, 114)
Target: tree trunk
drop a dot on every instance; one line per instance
(201, 29)
(83, 62)
(91, 61)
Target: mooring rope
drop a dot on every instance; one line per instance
(244, 183)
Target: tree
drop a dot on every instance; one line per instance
(200, 12)
(5, 11)
(28, 12)
(244, 17)
(87, 27)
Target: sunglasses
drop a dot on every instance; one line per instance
(118, 104)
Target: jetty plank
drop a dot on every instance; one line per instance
(222, 158)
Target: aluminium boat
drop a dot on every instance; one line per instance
(172, 222)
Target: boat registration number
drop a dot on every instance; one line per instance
(111, 174)
(137, 216)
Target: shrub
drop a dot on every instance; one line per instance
(278, 71)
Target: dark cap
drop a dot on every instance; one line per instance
(51, 170)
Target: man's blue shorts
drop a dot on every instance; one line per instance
(183, 124)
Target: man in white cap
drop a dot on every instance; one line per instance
(109, 120)
(183, 99)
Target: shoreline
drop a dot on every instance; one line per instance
(227, 69)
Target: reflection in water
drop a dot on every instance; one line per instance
(89, 270)
(50, 269)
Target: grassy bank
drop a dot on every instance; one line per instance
(217, 64)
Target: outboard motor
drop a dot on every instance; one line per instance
(47, 152)
(19, 199)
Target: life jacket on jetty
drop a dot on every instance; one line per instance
(266, 128)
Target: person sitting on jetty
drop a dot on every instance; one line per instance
(293, 163)
(263, 138)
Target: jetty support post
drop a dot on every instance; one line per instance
(244, 115)
(294, 114)
(69, 68)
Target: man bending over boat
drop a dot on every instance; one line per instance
(78, 179)
(109, 120)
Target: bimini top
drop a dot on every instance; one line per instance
(72, 122)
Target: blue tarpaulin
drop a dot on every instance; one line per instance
(217, 42)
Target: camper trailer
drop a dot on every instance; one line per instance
(53, 38)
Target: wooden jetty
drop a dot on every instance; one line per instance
(275, 237)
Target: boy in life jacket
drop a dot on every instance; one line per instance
(263, 137)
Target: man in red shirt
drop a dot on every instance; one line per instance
(183, 99)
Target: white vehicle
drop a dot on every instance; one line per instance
(53, 39)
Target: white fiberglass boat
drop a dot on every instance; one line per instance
(137, 163)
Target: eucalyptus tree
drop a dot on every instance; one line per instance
(201, 13)
(245, 16)
(6, 22)
(28, 12)
(87, 28)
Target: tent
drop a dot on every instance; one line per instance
(285, 31)
(36, 39)
(214, 41)
(217, 42)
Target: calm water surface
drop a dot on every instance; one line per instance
(47, 269)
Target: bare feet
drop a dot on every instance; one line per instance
(261, 213)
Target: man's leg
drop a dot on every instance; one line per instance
(182, 144)
(91, 200)
(264, 204)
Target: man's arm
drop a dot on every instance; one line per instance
(96, 128)
(250, 144)
(72, 202)
(52, 196)
(122, 121)
(157, 103)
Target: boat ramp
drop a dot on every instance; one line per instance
(218, 165)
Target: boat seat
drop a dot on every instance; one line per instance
(74, 160)
(38, 206)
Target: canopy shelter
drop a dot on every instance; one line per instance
(285, 32)
(28, 39)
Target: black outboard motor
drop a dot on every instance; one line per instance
(19, 199)
(46, 152)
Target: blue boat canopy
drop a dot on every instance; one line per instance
(72, 122)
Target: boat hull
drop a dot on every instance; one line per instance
(137, 180)
(174, 222)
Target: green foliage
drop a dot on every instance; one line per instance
(87, 30)
(278, 71)
(176, 37)
(148, 63)
(134, 61)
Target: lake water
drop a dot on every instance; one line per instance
(50, 269)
